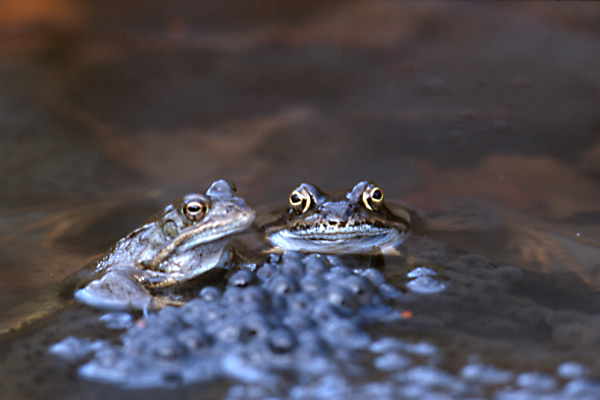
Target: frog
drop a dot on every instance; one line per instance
(184, 241)
(357, 222)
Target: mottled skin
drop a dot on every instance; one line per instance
(188, 238)
(357, 222)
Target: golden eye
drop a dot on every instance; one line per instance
(372, 198)
(194, 210)
(300, 201)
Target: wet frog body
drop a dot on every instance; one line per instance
(187, 239)
(357, 222)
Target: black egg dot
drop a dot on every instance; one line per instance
(361, 288)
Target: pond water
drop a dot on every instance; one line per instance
(483, 117)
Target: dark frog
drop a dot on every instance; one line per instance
(187, 239)
(358, 222)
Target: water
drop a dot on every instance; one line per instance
(482, 116)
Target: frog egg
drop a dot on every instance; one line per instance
(256, 295)
(337, 273)
(485, 374)
(281, 284)
(312, 284)
(169, 318)
(298, 322)
(210, 294)
(241, 278)
(316, 264)
(193, 312)
(343, 299)
(335, 261)
(392, 361)
(311, 345)
(581, 389)
(117, 320)
(360, 287)
(229, 331)
(421, 349)
(267, 271)
(536, 381)
(387, 344)
(294, 268)
(233, 296)
(291, 255)
(281, 341)
(72, 349)
(168, 348)
(426, 285)
(572, 370)
(374, 276)
(256, 326)
(194, 339)
(299, 303)
(430, 376)
(206, 313)
(389, 292)
(345, 334)
(323, 312)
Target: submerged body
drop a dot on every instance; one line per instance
(187, 239)
(357, 222)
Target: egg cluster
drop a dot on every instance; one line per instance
(310, 326)
(295, 313)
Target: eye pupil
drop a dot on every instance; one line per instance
(300, 201)
(377, 194)
(193, 208)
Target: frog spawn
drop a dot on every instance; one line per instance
(296, 313)
(304, 327)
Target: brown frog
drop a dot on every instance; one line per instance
(187, 239)
(358, 222)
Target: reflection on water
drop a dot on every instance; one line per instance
(483, 117)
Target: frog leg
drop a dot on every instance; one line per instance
(120, 289)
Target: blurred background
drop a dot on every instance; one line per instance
(108, 110)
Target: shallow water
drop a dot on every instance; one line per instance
(482, 116)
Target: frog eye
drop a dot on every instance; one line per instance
(372, 198)
(194, 210)
(300, 200)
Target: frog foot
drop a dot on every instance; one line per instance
(117, 291)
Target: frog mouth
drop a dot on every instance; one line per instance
(351, 239)
(337, 232)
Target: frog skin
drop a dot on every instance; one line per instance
(355, 223)
(187, 239)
